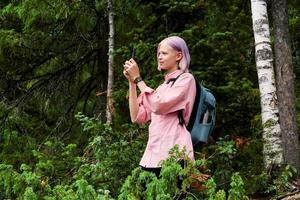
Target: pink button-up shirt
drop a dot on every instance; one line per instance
(161, 106)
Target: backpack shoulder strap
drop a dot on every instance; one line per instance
(195, 107)
(180, 113)
(174, 79)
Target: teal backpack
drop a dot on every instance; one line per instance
(203, 117)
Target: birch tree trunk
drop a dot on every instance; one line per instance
(110, 82)
(285, 83)
(273, 152)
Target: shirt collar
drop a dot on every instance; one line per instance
(172, 75)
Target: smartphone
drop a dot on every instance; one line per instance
(132, 53)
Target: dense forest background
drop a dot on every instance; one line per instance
(54, 142)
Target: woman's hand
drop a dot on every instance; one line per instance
(126, 74)
(131, 69)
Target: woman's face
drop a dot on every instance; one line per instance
(168, 57)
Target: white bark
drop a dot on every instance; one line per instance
(273, 152)
(110, 82)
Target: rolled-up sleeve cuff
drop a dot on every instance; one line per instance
(143, 116)
(147, 90)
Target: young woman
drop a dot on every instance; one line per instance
(161, 106)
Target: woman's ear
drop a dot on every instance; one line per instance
(178, 56)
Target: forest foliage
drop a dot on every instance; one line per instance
(54, 143)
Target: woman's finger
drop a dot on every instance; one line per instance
(132, 61)
(128, 62)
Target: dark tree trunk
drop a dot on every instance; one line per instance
(285, 83)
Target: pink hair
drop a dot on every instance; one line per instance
(178, 44)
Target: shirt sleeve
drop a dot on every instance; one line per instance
(170, 98)
(144, 114)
